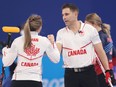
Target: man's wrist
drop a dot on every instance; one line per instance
(108, 70)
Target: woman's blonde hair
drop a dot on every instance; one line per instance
(93, 18)
(106, 28)
(33, 23)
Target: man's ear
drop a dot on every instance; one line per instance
(76, 13)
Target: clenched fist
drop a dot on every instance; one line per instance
(51, 38)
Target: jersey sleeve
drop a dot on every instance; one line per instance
(9, 54)
(59, 37)
(103, 39)
(53, 52)
(95, 36)
(107, 45)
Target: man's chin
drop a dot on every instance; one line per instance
(66, 24)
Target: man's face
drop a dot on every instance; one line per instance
(68, 16)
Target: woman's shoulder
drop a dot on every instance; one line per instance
(18, 38)
(42, 38)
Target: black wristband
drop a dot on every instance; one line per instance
(107, 71)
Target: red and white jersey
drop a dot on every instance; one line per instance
(29, 61)
(78, 50)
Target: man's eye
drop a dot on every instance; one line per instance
(66, 14)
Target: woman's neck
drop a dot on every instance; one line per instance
(99, 29)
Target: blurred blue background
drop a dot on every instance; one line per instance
(15, 13)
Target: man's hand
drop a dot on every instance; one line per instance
(51, 38)
(107, 75)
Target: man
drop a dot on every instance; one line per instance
(77, 42)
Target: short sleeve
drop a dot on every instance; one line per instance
(59, 37)
(95, 36)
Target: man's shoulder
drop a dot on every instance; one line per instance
(62, 29)
(89, 27)
(86, 25)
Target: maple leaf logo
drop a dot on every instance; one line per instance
(32, 51)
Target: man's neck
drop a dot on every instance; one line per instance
(75, 26)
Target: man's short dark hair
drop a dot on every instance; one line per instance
(71, 6)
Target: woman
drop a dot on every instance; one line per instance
(104, 33)
(29, 48)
